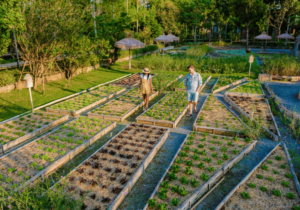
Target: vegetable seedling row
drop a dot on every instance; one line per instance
(122, 107)
(272, 184)
(225, 82)
(251, 87)
(106, 177)
(199, 163)
(206, 79)
(167, 112)
(257, 107)
(20, 129)
(128, 82)
(215, 118)
(86, 101)
(51, 151)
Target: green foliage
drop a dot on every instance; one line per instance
(194, 182)
(162, 194)
(204, 177)
(245, 195)
(184, 180)
(174, 202)
(263, 188)
(283, 65)
(165, 184)
(151, 203)
(172, 176)
(276, 192)
(290, 195)
(251, 185)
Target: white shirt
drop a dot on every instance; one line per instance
(144, 76)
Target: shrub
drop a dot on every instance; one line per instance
(8, 77)
(283, 65)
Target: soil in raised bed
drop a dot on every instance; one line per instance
(271, 186)
(201, 156)
(27, 161)
(102, 177)
(21, 126)
(167, 109)
(215, 115)
(259, 108)
(129, 81)
(252, 87)
(86, 99)
(121, 105)
(226, 80)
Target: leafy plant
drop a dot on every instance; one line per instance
(162, 194)
(245, 195)
(264, 167)
(188, 162)
(196, 157)
(284, 183)
(151, 203)
(204, 177)
(161, 206)
(278, 158)
(206, 159)
(35, 156)
(200, 165)
(174, 202)
(263, 188)
(179, 160)
(210, 169)
(184, 180)
(188, 171)
(251, 185)
(194, 182)
(270, 178)
(225, 157)
(183, 154)
(214, 155)
(223, 149)
(276, 192)
(165, 185)
(287, 175)
(290, 195)
(220, 162)
(259, 176)
(175, 168)
(172, 176)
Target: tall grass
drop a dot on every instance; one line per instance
(38, 195)
(283, 65)
(197, 51)
(205, 65)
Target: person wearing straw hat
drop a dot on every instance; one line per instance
(146, 86)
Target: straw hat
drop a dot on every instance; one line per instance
(146, 70)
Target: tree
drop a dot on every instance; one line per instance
(281, 12)
(248, 12)
(10, 15)
(51, 27)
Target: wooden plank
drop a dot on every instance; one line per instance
(230, 85)
(292, 167)
(225, 200)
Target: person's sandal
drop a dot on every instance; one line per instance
(188, 115)
(195, 111)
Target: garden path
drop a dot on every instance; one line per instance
(288, 92)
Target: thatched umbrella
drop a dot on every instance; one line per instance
(163, 38)
(129, 44)
(285, 36)
(171, 36)
(263, 36)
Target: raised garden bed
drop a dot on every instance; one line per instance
(269, 77)
(18, 130)
(272, 184)
(51, 151)
(181, 86)
(122, 107)
(252, 87)
(256, 108)
(128, 82)
(82, 103)
(105, 178)
(200, 162)
(225, 82)
(216, 118)
(167, 112)
(162, 81)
